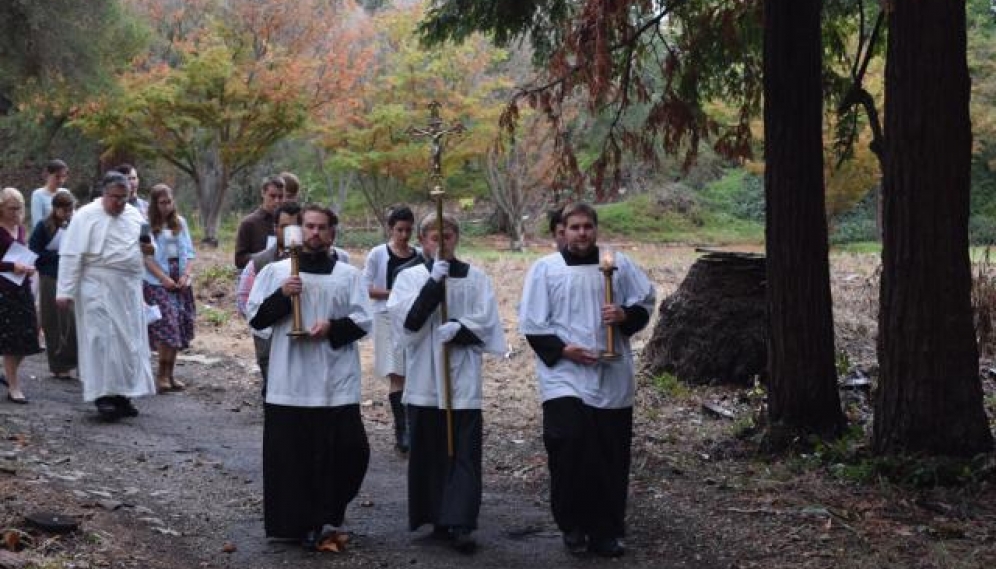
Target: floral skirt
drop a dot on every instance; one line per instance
(176, 328)
(18, 323)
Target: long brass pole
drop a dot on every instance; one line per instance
(438, 193)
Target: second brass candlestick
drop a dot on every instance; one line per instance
(609, 354)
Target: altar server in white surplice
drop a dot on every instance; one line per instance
(100, 274)
(444, 491)
(587, 400)
(315, 449)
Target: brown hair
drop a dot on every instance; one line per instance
(333, 218)
(291, 184)
(579, 208)
(55, 166)
(59, 200)
(156, 219)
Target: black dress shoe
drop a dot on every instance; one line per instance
(125, 407)
(606, 547)
(462, 541)
(575, 541)
(107, 409)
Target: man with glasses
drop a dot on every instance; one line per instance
(100, 275)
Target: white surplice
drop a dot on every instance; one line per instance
(566, 301)
(100, 269)
(305, 372)
(471, 301)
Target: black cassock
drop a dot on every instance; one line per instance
(444, 491)
(589, 457)
(314, 461)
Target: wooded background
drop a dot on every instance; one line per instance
(812, 121)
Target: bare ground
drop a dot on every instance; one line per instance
(180, 486)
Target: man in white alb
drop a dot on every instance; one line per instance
(100, 275)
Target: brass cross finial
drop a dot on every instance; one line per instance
(435, 131)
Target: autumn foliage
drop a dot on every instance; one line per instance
(224, 82)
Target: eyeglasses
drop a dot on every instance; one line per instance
(116, 198)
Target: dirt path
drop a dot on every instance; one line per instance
(184, 478)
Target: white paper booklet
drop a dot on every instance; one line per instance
(18, 253)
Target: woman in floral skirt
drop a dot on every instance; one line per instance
(167, 283)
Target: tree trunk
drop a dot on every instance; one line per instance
(929, 397)
(517, 234)
(802, 385)
(211, 183)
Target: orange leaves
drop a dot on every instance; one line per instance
(12, 539)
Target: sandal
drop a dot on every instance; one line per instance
(177, 385)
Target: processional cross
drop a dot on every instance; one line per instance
(435, 133)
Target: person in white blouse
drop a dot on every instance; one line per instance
(379, 272)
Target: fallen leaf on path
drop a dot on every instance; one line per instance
(11, 540)
(334, 543)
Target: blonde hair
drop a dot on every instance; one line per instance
(429, 223)
(9, 194)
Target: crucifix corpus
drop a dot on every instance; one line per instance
(435, 132)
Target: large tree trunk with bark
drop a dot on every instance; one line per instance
(211, 183)
(929, 397)
(802, 388)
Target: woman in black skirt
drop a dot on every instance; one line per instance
(18, 322)
(59, 323)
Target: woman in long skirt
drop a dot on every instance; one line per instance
(59, 323)
(167, 285)
(18, 321)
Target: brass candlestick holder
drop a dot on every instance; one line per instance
(292, 241)
(608, 267)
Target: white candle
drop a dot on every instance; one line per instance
(293, 237)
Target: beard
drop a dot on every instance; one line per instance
(316, 245)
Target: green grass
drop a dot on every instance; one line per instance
(642, 219)
(669, 385)
(976, 253)
(485, 252)
(213, 316)
(859, 247)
